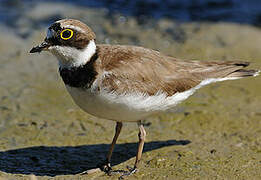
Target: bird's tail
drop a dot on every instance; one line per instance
(240, 73)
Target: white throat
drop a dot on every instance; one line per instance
(71, 57)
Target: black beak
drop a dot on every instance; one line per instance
(40, 47)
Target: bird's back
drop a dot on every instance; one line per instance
(126, 69)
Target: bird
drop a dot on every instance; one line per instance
(125, 83)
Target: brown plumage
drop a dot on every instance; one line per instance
(137, 69)
(134, 74)
(79, 39)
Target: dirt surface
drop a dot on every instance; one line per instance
(215, 134)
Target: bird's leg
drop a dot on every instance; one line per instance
(141, 135)
(107, 166)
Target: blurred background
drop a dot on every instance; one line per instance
(40, 13)
(215, 134)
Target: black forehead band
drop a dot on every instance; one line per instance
(56, 27)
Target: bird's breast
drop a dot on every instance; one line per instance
(79, 77)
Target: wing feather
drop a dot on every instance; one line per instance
(137, 69)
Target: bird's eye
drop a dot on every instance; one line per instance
(66, 34)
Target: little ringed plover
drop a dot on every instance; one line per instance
(127, 83)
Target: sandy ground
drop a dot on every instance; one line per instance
(215, 134)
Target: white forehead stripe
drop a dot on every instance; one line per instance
(50, 33)
(75, 28)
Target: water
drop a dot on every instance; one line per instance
(238, 11)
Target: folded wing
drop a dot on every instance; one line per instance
(136, 69)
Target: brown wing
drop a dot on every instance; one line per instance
(131, 68)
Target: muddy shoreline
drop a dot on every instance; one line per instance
(215, 134)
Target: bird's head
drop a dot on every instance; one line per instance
(71, 41)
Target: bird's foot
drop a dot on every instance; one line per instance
(128, 173)
(108, 170)
(105, 167)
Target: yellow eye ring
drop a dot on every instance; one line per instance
(64, 37)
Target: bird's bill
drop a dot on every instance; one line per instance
(42, 47)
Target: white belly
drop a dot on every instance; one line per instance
(132, 106)
(105, 106)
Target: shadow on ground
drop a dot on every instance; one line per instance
(68, 160)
